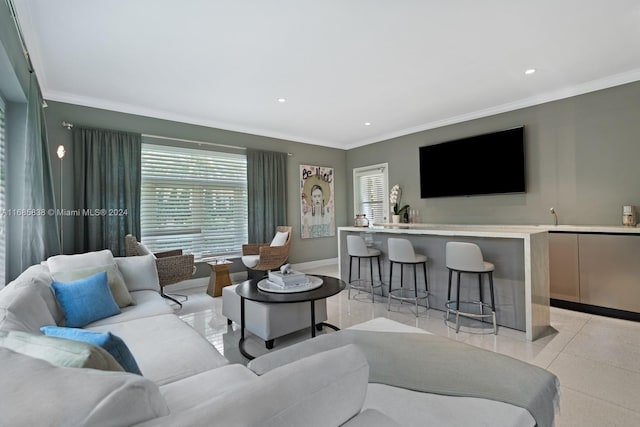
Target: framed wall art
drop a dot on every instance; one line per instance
(317, 202)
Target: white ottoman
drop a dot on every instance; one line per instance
(270, 321)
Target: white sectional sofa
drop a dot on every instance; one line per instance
(186, 382)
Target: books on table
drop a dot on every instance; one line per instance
(290, 279)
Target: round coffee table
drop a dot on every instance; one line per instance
(249, 290)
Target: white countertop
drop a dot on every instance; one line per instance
(493, 229)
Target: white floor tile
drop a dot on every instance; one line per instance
(598, 380)
(581, 410)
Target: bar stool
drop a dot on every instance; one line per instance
(463, 257)
(401, 252)
(357, 248)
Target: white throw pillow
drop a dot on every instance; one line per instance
(75, 262)
(280, 238)
(139, 272)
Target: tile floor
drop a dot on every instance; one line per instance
(597, 359)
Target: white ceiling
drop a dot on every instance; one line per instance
(403, 66)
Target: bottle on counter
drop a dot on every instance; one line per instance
(628, 216)
(405, 217)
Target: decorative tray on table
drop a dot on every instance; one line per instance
(269, 286)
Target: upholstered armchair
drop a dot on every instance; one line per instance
(268, 256)
(173, 266)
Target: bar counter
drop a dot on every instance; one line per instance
(520, 255)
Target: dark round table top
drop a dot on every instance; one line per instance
(330, 286)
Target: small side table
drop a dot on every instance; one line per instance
(219, 277)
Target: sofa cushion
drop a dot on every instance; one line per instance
(35, 392)
(116, 281)
(191, 391)
(106, 340)
(147, 303)
(59, 351)
(165, 347)
(59, 263)
(86, 300)
(139, 272)
(325, 389)
(24, 306)
(408, 407)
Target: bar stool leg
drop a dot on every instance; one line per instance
(350, 265)
(426, 282)
(390, 277)
(458, 295)
(480, 292)
(449, 294)
(493, 303)
(371, 276)
(415, 287)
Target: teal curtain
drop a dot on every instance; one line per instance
(267, 192)
(40, 238)
(107, 173)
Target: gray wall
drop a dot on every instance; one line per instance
(302, 250)
(581, 157)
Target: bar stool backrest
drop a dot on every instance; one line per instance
(464, 256)
(356, 246)
(401, 250)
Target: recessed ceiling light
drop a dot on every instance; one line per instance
(530, 71)
(282, 100)
(367, 123)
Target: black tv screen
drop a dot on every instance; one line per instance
(492, 163)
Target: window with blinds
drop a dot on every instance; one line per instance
(3, 184)
(370, 189)
(194, 200)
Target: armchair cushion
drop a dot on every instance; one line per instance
(250, 260)
(280, 238)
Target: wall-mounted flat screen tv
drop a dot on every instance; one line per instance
(491, 163)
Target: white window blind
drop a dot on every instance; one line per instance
(3, 184)
(370, 189)
(194, 200)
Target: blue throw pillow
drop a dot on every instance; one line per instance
(86, 300)
(111, 343)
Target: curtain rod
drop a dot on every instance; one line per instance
(69, 126)
(192, 141)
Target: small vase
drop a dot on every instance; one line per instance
(395, 219)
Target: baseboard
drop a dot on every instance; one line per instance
(594, 309)
(315, 264)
